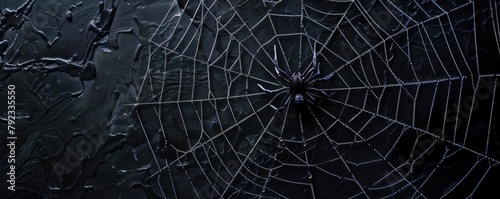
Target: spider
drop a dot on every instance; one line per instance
(299, 86)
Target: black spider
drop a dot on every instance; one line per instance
(300, 87)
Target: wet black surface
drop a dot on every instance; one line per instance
(159, 99)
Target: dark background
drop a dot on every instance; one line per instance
(159, 99)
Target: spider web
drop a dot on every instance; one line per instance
(413, 114)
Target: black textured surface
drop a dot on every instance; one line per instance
(159, 99)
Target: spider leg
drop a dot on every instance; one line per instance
(283, 76)
(271, 91)
(314, 67)
(322, 92)
(314, 74)
(311, 81)
(314, 96)
(310, 98)
(284, 104)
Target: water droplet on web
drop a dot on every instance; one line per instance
(274, 173)
(263, 190)
(281, 139)
(81, 27)
(304, 143)
(309, 175)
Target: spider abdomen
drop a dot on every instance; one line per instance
(298, 99)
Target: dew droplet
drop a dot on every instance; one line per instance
(309, 175)
(274, 173)
(81, 27)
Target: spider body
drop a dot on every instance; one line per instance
(296, 82)
(296, 89)
(300, 89)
